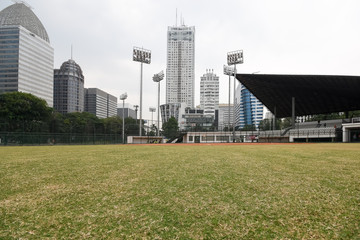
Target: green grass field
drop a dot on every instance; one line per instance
(294, 191)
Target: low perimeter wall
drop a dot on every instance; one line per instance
(144, 139)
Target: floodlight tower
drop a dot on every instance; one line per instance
(230, 72)
(233, 58)
(157, 78)
(143, 56)
(123, 97)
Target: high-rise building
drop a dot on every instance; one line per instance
(209, 93)
(69, 88)
(26, 57)
(249, 110)
(128, 111)
(225, 120)
(180, 73)
(100, 103)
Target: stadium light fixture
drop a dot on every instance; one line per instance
(123, 97)
(230, 72)
(143, 56)
(233, 58)
(157, 78)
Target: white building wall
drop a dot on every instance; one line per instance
(36, 66)
(209, 93)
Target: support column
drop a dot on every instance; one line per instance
(141, 108)
(293, 112)
(234, 124)
(274, 121)
(345, 137)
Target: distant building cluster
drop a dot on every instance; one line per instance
(180, 94)
(26, 65)
(27, 60)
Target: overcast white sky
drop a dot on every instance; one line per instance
(277, 36)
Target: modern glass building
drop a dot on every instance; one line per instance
(100, 103)
(26, 57)
(248, 109)
(209, 93)
(180, 73)
(69, 88)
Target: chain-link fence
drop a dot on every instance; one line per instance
(26, 138)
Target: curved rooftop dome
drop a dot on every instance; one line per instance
(72, 67)
(20, 14)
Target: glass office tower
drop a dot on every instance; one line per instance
(26, 57)
(249, 110)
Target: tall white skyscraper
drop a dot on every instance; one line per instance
(26, 57)
(209, 92)
(180, 71)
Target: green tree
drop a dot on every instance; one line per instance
(132, 127)
(354, 114)
(249, 128)
(330, 116)
(113, 125)
(24, 112)
(153, 130)
(170, 128)
(84, 123)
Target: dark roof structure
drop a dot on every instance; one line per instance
(314, 94)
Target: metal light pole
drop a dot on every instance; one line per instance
(157, 78)
(123, 97)
(233, 58)
(152, 110)
(143, 56)
(230, 72)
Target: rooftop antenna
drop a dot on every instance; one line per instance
(176, 19)
(71, 52)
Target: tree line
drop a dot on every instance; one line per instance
(24, 112)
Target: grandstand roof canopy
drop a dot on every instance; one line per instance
(314, 94)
